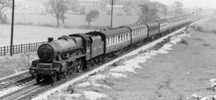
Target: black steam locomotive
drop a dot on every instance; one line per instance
(68, 54)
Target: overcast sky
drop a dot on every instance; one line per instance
(193, 3)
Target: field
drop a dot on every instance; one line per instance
(34, 24)
(16, 63)
(207, 25)
(74, 20)
(39, 32)
(35, 12)
(27, 34)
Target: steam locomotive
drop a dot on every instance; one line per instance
(69, 54)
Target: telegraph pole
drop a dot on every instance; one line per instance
(111, 17)
(12, 28)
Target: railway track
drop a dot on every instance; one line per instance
(30, 89)
(22, 89)
(14, 77)
(15, 80)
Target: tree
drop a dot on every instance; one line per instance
(91, 16)
(162, 9)
(58, 9)
(148, 12)
(127, 7)
(75, 5)
(178, 8)
(103, 5)
(4, 5)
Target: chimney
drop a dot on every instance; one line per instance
(50, 39)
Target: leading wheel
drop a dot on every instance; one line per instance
(53, 79)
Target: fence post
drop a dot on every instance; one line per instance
(4, 50)
(29, 47)
(21, 47)
(12, 50)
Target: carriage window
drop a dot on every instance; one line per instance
(121, 37)
(115, 39)
(107, 42)
(125, 36)
(112, 40)
(140, 31)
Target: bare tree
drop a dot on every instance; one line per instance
(103, 5)
(127, 8)
(91, 16)
(162, 9)
(4, 5)
(58, 9)
(75, 5)
(178, 8)
(148, 12)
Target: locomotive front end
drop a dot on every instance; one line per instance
(54, 58)
(44, 66)
(44, 69)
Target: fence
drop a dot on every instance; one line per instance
(20, 48)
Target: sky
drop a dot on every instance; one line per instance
(193, 3)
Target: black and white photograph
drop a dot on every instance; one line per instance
(107, 50)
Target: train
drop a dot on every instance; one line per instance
(73, 53)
